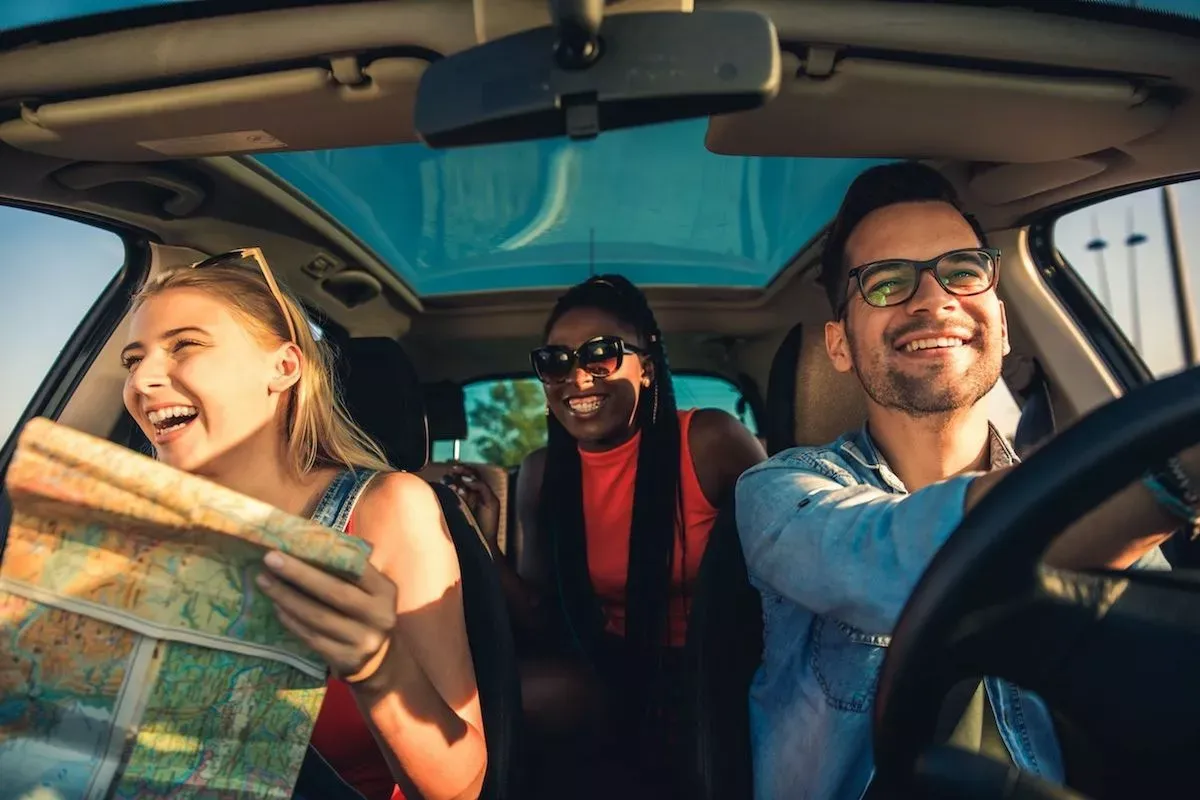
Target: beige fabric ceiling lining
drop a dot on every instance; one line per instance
(302, 86)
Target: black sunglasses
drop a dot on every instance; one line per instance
(894, 281)
(599, 357)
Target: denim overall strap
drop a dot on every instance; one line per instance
(317, 779)
(337, 504)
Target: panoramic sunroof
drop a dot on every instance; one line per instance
(651, 203)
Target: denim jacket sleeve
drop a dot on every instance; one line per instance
(814, 535)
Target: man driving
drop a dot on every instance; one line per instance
(836, 537)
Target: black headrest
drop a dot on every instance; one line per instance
(779, 428)
(383, 396)
(446, 411)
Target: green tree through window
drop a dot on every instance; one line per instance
(509, 423)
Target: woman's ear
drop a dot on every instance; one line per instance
(288, 365)
(647, 371)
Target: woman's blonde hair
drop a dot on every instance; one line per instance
(320, 432)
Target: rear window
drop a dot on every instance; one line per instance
(506, 418)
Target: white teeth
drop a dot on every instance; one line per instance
(926, 344)
(585, 405)
(161, 415)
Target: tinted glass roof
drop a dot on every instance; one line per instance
(651, 203)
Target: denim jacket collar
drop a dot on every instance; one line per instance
(861, 447)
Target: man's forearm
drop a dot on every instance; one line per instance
(1114, 535)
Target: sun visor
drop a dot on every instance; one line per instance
(310, 108)
(495, 19)
(1007, 183)
(877, 108)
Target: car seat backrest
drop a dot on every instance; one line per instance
(497, 479)
(724, 648)
(808, 401)
(383, 395)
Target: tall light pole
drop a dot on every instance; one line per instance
(1132, 241)
(1183, 290)
(1097, 246)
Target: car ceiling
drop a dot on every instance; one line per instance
(1111, 104)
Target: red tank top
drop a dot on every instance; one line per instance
(343, 739)
(608, 483)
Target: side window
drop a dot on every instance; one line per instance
(506, 419)
(1003, 410)
(1138, 253)
(54, 270)
(708, 391)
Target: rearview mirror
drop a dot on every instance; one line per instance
(644, 68)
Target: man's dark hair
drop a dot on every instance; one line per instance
(657, 508)
(875, 188)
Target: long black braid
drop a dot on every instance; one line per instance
(657, 506)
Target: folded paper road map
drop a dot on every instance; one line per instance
(137, 657)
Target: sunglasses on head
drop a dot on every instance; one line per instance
(599, 357)
(253, 258)
(894, 281)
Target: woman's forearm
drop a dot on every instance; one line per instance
(525, 602)
(433, 752)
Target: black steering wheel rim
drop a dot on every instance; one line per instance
(995, 552)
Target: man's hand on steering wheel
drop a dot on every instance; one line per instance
(1097, 646)
(1120, 530)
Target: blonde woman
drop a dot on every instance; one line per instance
(227, 381)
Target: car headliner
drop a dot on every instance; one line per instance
(653, 203)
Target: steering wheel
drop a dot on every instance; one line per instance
(1114, 654)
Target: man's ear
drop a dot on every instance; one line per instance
(1006, 348)
(837, 346)
(288, 366)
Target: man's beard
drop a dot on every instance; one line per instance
(924, 396)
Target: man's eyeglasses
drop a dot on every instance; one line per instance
(252, 257)
(599, 357)
(894, 281)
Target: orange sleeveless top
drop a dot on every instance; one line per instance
(608, 483)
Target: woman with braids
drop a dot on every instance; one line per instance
(616, 511)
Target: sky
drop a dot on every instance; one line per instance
(53, 271)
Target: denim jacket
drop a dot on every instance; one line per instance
(835, 545)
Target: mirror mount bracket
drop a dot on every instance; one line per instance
(577, 27)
